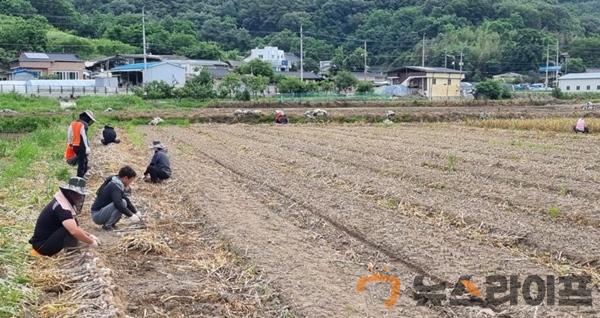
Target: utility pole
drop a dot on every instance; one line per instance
(144, 36)
(301, 54)
(547, 62)
(423, 57)
(365, 70)
(557, 57)
(461, 60)
(445, 59)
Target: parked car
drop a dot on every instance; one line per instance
(539, 87)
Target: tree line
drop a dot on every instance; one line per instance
(494, 36)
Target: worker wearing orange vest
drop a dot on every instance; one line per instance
(78, 143)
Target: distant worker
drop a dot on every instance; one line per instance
(109, 135)
(581, 127)
(281, 117)
(160, 167)
(112, 202)
(56, 227)
(78, 145)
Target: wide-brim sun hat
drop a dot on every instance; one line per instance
(156, 144)
(75, 184)
(90, 114)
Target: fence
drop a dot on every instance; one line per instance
(62, 91)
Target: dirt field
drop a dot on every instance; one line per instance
(315, 206)
(281, 221)
(404, 113)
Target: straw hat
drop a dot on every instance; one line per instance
(90, 115)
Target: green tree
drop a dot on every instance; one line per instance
(344, 81)
(289, 84)
(202, 50)
(200, 86)
(349, 61)
(574, 65)
(526, 49)
(364, 87)
(106, 47)
(156, 90)
(225, 31)
(327, 86)
(491, 89)
(257, 67)
(230, 85)
(16, 7)
(587, 50)
(255, 84)
(19, 35)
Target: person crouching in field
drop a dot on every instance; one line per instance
(281, 117)
(56, 227)
(160, 167)
(112, 202)
(581, 127)
(109, 135)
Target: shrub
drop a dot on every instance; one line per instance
(554, 212)
(364, 87)
(117, 102)
(290, 85)
(23, 124)
(155, 90)
(230, 85)
(557, 93)
(491, 89)
(243, 95)
(452, 159)
(200, 86)
(345, 81)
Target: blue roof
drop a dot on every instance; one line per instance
(551, 68)
(135, 66)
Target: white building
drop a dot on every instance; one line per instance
(579, 83)
(193, 67)
(137, 74)
(273, 55)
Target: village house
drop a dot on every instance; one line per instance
(272, 55)
(32, 65)
(138, 74)
(108, 63)
(580, 83)
(194, 67)
(430, 82)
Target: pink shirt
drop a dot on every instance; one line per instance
(580, 124)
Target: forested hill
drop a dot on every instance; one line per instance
(494, 35)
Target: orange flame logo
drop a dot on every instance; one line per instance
(381, 278)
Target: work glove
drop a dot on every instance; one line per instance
(88, 151)
(135, 218)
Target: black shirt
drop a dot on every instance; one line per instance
(109, 134)
(161, 161)
(113, 191)
(49, 221)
